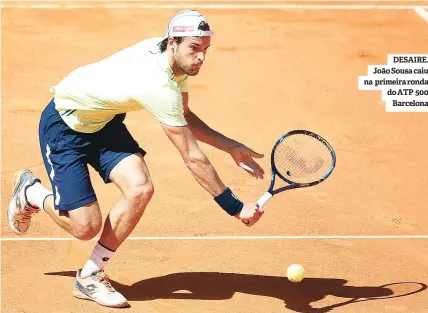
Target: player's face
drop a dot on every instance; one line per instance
(190, 54)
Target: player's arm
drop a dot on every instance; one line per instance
(239, 152)
(205, 174)
(203, 132)
(195, 159)
(165, 103)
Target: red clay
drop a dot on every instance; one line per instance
(267, 72)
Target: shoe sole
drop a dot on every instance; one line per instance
(16, 179)
(80, 295)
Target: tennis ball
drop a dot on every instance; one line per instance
(295, 273)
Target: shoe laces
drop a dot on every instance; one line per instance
(102, 277)
(26, 215)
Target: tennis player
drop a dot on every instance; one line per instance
(84, 124)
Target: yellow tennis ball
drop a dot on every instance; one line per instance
(295, 273)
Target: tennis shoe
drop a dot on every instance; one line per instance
(20, 210)
(96, 287)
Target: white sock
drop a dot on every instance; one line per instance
(97, 261)
(36, 195)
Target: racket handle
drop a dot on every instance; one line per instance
(264, 200)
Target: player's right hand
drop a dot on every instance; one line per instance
(249, 214)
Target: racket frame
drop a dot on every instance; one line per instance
(293, 185)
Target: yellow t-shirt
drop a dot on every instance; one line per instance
(138, 77)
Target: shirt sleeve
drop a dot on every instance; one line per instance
(166, 104)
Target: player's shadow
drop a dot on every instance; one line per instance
(222, 286)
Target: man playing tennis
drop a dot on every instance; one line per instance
(83, 124)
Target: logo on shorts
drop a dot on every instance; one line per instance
(105, 259)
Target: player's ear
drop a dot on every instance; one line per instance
(171, 43)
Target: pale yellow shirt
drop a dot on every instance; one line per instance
(138, 77)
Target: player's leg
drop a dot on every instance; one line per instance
(74, 207)
(132, 176)
(120, 161)
(83, 223)
(31, 196)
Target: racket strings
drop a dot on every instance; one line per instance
(302, 159)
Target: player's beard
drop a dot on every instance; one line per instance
(185, 68)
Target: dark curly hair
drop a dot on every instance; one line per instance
(164, 43)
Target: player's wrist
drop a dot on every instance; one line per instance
(229, 202)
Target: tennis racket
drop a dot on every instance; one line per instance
(300, 158)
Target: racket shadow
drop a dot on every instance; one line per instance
(223, 286)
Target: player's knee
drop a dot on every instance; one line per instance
(86, 221)
(88, 231)
(141, 193)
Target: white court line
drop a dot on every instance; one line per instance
(215, 6)
(205, 1)
(422, 13)
(208, 1)
(1, 159)
(227, 238)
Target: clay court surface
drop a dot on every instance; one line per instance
(268, 71)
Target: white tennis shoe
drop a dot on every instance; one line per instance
(96, 287)
(20, 210)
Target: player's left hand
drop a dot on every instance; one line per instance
(243, 157)
(249, 214)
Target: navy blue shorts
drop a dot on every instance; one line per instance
(67, 153)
